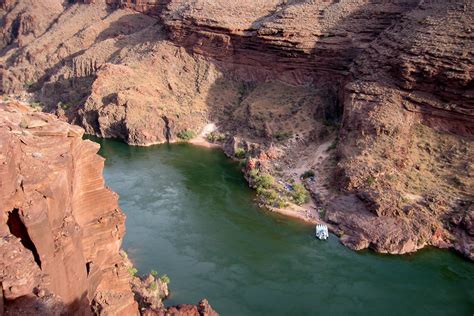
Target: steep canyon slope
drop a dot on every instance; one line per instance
(61, 227)
(376, 97)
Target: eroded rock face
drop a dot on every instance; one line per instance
(61, 228)
(201, 309)
(23, 21)
(295, 41)
(407, 135)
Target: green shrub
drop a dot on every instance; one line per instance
(253, 174)
(265, 181)
(186, 135)
(243, 163)
(268, 196)
(299, 194)
(29, 84)
(154, 273)
(281, 135)
(133, 271)
(240, 153)
(65, 106)
(307, 174)
(370, 181)
(37, 105)
(165, 279)
(281, 203)
(153, 286)
(215, 137)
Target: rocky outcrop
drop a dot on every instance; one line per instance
(23, 21)
(61, 228)
(294, 41)
(201, 309)
(406, 140)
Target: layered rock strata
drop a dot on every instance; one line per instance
(61, 228)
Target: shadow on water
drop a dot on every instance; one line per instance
(191, 215)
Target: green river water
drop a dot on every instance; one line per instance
(191, 215)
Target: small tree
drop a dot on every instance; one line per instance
(265, 181)
(240, 153)
(307, 174)
(300, 195)
(165, 279)
(133, 271)
(186, 135)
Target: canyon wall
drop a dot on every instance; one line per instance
(376, 97)
(61, 228)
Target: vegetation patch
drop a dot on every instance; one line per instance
(65, 106)
(268, 190)
(37, 105)
(216, 137)
(240, 153)
(153, 286)
(299, 194)
(133, 271)
(186, 135)
(165, 279)
(29, 85)
(307, 174)
(370, 181)
(282, 135)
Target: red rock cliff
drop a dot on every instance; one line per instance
(60, 227)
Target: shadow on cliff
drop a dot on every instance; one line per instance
(72, 91)
(326, 66)
(46, 305)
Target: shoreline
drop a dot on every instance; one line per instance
(295, 212)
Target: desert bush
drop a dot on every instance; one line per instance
(308, 174)
(65, 106)
(133, 271)
(240, 153)
(153, 286)
(253, 174)
(186, 134)
(371, 181)
(299, 194)
(265, 181)
(214, 137)
(165, 279)
(282, 135)
(29, 84)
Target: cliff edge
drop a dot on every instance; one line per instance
(61, 227)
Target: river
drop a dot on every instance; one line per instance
(191, 215)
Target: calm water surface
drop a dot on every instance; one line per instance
(192, 216)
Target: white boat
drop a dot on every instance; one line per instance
(322, 231)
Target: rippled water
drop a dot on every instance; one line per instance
(192, 216)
